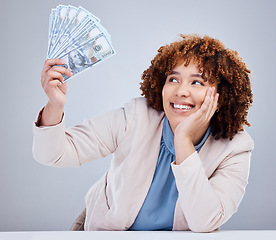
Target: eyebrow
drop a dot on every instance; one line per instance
(174, 72)
(199, 75)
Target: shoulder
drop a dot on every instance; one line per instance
(226, 152)
(139, 109)
(241, 142)
(140, 122)
(127, 116)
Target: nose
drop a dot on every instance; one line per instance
(183, 90)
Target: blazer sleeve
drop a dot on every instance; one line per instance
(208, 202)
(93, 139)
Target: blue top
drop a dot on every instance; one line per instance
(157, 212)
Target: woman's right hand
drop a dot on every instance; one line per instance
(51, 81)
(55, 89)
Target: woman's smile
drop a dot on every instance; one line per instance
(185, 106)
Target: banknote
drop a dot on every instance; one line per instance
(75, 20)
(89, 32)
(87, 54)
(56, 22)
(76, 36)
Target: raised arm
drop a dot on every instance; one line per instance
(55, 89)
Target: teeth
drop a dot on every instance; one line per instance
(177, 106)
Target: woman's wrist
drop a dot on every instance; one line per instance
(51, 115)
(183, 149)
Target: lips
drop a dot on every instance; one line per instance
(182, 106)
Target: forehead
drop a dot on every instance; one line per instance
(74, 52)
(192, 68)
(186, 60)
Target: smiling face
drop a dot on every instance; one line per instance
(183, 93)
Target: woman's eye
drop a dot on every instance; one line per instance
(172, 80)
(198, 83)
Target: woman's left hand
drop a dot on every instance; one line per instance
(191, 130)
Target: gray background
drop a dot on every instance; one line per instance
(36, 197)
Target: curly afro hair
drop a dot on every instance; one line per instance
(217, 64)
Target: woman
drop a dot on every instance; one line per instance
(180, 155)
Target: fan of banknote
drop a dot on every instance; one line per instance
(77, 37)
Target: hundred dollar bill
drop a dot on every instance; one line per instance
(89, 53)
(63, 14)
(76, 36)
(55, 27)
(51, 24)
(66, 39)
(77, 20)
(91, 30)
(70, 13)
(92, 16)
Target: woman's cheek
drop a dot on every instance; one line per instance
(202, 97)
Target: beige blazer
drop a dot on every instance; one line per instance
(211, 184)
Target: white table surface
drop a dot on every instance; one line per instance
(130, 235)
